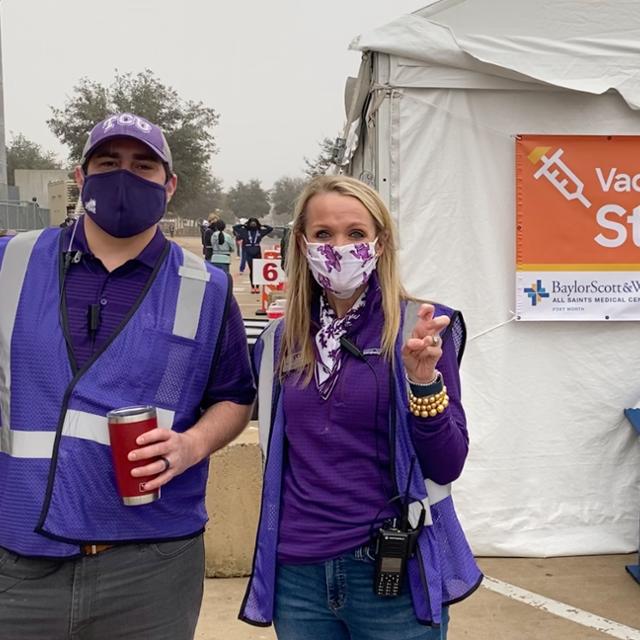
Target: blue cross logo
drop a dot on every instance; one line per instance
(536, 292)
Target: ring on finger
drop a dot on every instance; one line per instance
(167, 464)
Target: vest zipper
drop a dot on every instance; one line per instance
(392, 429)
(423, 577)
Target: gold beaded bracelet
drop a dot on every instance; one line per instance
(428, 406)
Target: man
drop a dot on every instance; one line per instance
(204, 225)
(102, 315)
(206, 236)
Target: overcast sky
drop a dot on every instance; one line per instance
(274, 69)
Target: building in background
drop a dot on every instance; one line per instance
(63, 197)
(34, 183)
(15, 215)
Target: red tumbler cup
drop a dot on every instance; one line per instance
(125, 425)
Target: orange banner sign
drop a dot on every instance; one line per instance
(578, 227)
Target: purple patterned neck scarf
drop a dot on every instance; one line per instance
(328, 349)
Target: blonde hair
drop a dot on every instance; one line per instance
(213, 217)
(297, 352)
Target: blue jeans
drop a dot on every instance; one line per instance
(334, 600)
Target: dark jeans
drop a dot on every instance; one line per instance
(252, 253)
(334, 600)
(134, 591)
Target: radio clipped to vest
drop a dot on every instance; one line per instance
(395, 544)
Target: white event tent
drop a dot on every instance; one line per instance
(554, 467)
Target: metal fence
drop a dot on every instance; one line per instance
(23, 216)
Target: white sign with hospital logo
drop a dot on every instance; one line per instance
(557, 295)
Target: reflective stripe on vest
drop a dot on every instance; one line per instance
(265, 391)
(89, 426)
(78, 424)
(194, 277)
(14, 267)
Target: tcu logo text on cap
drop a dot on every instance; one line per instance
(126, 119)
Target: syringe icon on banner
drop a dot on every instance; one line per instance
(558, 174)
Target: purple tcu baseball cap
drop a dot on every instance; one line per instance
(128, 125)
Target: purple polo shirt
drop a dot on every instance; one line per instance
(337, 479)
(116, 292)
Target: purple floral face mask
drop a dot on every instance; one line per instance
(341, 270)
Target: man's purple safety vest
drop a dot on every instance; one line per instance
(58, 485)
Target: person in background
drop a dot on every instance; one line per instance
(207, 234)
(252, 233)
(203, 228)
(284, 244)
(221, 245)
(237, 234)
(69, 221)
(363, 430)
(102, 315)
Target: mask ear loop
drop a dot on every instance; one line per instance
(374, 242)
(68, 257)
(73, 234)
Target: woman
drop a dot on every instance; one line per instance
(252, 233)
(221, 244)
(349, 389)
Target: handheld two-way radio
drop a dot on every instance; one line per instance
(395, 544)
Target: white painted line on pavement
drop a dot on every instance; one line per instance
(584, 618)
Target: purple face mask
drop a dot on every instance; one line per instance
(123, 204)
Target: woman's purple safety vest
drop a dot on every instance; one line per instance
(58, 485)
(443, 570)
